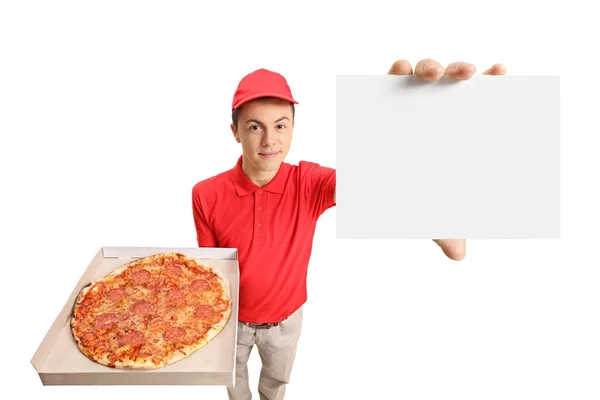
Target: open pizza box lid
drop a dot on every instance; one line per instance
(59, 361)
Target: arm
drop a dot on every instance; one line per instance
(205, 236)
(319, 187)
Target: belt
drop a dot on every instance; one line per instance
(263, 326)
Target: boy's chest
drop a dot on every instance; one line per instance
(260, 217)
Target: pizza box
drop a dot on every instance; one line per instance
(59, 361)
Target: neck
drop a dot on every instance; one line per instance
(259, 178)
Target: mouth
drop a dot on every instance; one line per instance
(269, 154)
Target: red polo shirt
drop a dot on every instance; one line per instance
(272, 228)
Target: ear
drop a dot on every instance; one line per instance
(235, 133)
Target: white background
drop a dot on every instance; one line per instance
(110, 112)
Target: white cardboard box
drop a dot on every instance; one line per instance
(59, 361)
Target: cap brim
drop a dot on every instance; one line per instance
(259, 95)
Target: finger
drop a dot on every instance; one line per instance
(496, 69)
(401, 67)
(460, 70)
(429, 70)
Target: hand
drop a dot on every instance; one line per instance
(431, 71)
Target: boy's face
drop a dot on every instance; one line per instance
(265, 128)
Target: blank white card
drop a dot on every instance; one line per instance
(454, 159)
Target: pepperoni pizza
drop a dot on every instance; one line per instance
(151, 312)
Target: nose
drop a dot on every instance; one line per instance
(269, 137)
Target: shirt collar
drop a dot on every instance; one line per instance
(244, 186)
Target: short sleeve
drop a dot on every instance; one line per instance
(319, 187)
(204, 234)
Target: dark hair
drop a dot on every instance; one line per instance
(235, 114)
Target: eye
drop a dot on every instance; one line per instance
(254, 127)
(280, 126)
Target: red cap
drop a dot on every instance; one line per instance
(262, 83)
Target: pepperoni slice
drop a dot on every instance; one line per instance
(132, 338)
(175, 295)
(143, 308)
(141, 276)
(199, 285)
(174, 333)
(173, 269)
(116, 294)
(105, 320)
(204, 312)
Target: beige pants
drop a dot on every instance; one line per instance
(277, 350)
